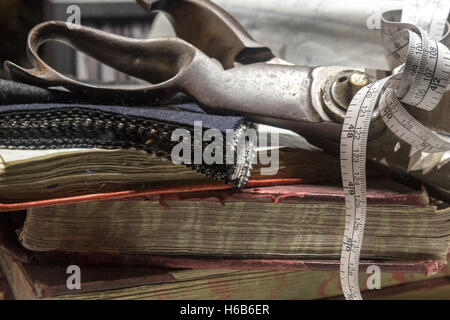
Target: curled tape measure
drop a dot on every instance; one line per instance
(423, 70)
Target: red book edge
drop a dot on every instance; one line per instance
(412, 198)
(4, 207)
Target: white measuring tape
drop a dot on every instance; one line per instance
(423, 70)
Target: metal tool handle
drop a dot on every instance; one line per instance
(157, 61)
(171, 65)
(212, 30)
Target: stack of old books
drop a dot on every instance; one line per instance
(93, 207)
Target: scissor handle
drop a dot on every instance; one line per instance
(157, 61)
(212, 30)
(269, 93)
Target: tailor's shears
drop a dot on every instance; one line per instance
(212, 59)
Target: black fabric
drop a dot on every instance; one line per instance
(180, 115)
(55, 126)
(12, 92)
(37, 118)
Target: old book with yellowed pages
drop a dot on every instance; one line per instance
(37, 281)
(27, 175)
(284, 222)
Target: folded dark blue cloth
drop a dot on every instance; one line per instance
(46, 125)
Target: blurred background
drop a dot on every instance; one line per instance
(17, 17)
